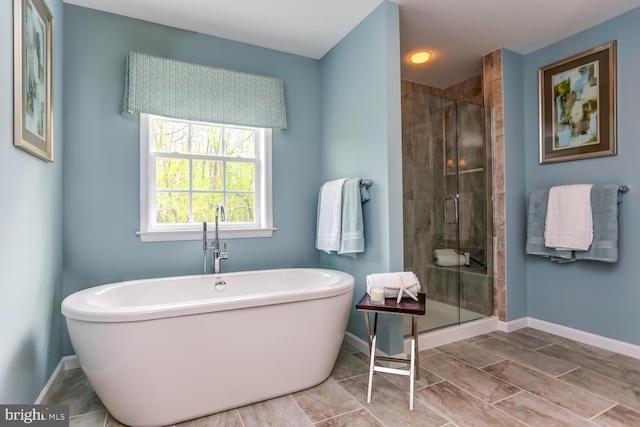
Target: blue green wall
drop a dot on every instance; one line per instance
(515, 191)
(101, 201)
(30, 236)
(361, 137)
(590, 296)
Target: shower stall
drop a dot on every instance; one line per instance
(447, 204)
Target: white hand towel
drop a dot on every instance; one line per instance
(448, 258)
(329, 216)
(569, 221)
(391, 282)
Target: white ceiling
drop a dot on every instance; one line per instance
(458, 32)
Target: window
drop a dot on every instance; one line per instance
(187, 168)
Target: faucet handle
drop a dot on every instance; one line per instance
(224, 254)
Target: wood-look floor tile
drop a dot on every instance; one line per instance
(389, 404)
(480, 384)
(527, 341)
(348, 366)
(325, 400)
(223, 419)
(359, 418)
(278, 412)
(566, 342)
(618, 416)
(536, 412)
(462, 408)
(94, 419)
(428, 352)
(349, 348)
(627, 362)
(604, 386)
(530, 358)
(606, 367)
(470, 354)
(567, 396)
(112, 422)
(76, 392)
(477, 338)
(427, 378)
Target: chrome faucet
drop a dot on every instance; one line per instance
(216, 254)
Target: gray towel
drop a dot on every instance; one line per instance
(604, 206)
(352, 236)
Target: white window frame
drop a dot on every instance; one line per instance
(152, 232)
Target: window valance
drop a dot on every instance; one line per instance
(170, 88)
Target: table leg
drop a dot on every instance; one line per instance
(372, 356)
(368, 326)
(414, 332)
(412, 372)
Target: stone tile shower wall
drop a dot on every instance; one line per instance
(492, 83)
(429, 129)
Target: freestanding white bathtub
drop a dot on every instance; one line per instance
(161, 351)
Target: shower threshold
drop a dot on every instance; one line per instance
(440, 315)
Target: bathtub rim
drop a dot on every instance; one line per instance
(75, 306)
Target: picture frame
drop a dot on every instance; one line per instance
(33, 78)
(577, 101)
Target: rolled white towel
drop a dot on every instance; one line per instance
(448, 258)
(391, 282)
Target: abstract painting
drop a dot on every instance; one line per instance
(577, 106)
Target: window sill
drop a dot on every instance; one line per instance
(181, 235)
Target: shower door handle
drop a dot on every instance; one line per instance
(455, 209)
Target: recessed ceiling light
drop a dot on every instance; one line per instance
(420, 57)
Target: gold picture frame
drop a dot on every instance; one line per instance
(578, 106)
(33, 78)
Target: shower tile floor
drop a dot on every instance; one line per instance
(523, 378)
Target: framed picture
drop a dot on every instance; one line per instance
(32, 74)
(578, 106)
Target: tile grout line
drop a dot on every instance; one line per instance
(239, 417)
(339, 415)
(302, 410)
(606, 410)
(510, 396)
(568, 372)
(551, 403)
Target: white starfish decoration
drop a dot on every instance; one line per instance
(402, 289)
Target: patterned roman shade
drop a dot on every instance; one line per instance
(196, 92)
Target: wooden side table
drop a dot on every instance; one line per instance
(407, 307)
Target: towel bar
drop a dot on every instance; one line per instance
(367, 182)
(624, 188)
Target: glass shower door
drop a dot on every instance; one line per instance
(448, 206)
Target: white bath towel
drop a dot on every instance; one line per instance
(329, 224)
(448, 258)
(393, 282)
(569, 221)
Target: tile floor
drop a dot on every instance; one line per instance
(524, 378)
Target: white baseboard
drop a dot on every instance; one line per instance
(358, 343)
(490, 324)
(56, 377)
(513, 325)
(610, 344)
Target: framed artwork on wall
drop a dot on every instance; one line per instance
(578, 106)
(32, 75)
